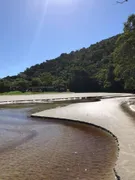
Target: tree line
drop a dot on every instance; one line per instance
(108, 65)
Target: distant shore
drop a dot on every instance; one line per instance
(50, 97)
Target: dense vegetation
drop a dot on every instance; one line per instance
(108, 65)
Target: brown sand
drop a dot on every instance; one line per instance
(41, 150)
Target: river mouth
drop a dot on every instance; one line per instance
(57, 150)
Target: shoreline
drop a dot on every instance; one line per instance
(92, 125)
(40, 101)
(46, 98)
(77, 100)
(129, 107)
(70, 142)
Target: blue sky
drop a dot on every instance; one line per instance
(33, 31)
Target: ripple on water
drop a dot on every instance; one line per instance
(69, 151)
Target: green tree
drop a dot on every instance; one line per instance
(36, 82)
(124, 55)
(129, 26)
(20, 84)
(81, 82)
(46, 78)
(86, 69)
(59, 82)
(4, 86)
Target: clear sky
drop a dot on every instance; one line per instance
(32, 31)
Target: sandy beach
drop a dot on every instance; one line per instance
(55, 149)
(107, 114)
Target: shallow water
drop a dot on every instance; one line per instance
(33, 149)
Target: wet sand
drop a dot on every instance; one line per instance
(6, 99)
(53, 150)
(108, 114)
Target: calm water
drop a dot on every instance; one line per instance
(37, 150)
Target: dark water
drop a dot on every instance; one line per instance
(37, 150)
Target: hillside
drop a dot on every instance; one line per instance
(100, 67)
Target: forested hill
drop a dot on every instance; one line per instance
(108, 65)
(82, 70)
